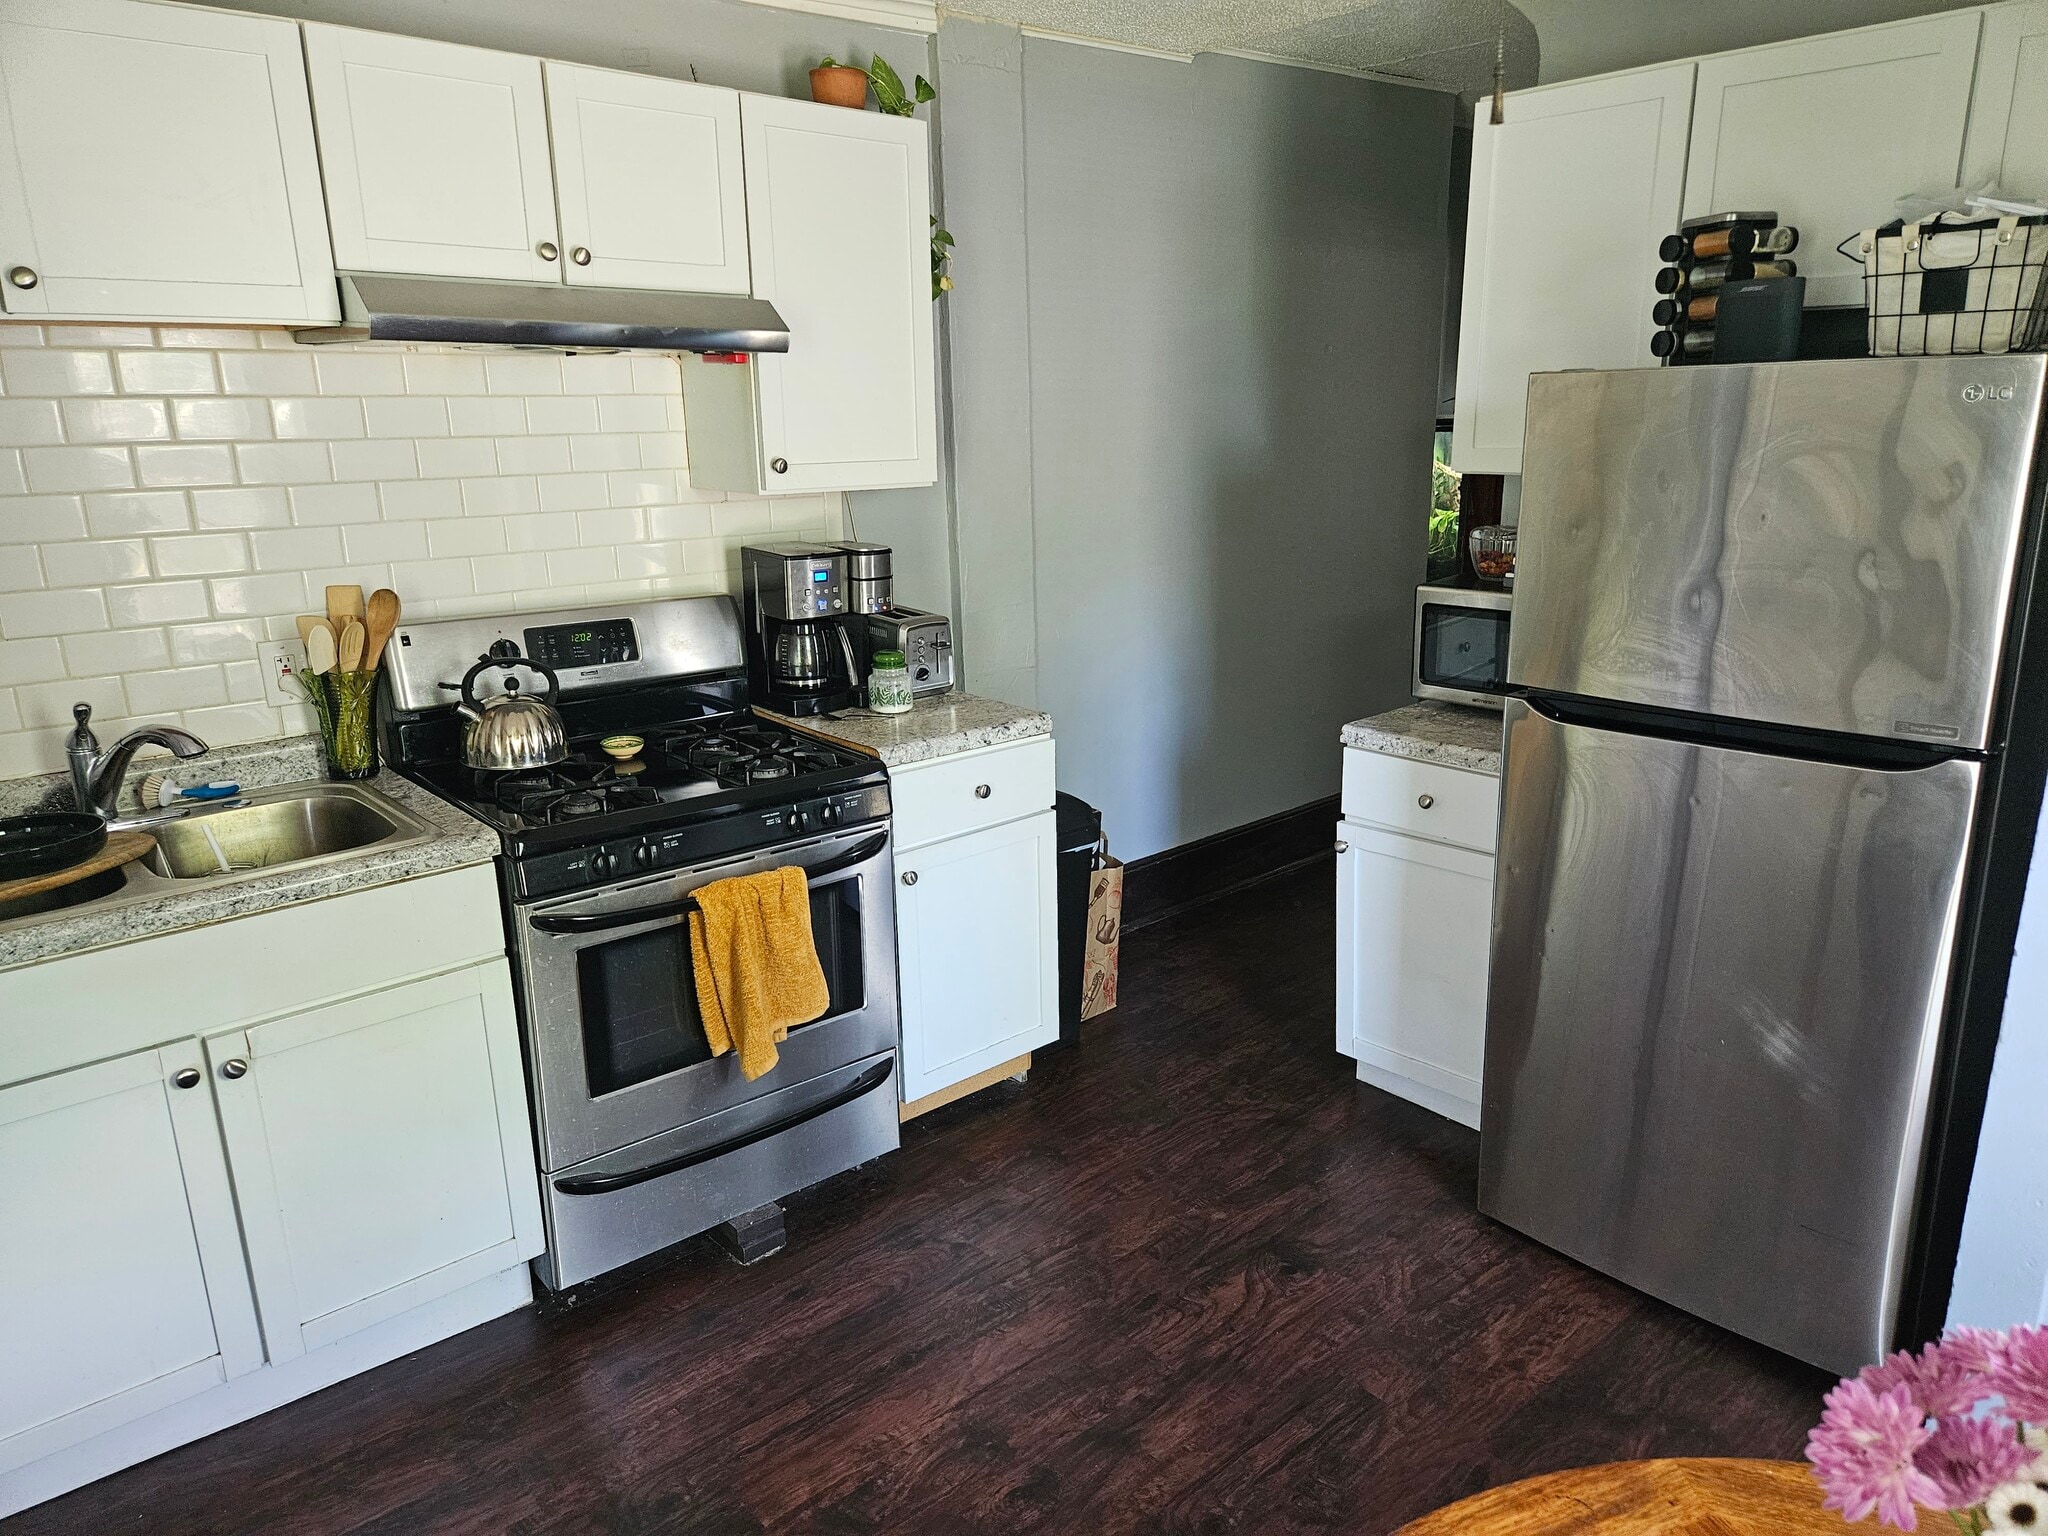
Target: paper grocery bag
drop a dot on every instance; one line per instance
(1105, 926)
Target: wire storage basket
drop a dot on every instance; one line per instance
(1950, 289)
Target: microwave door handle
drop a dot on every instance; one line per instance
(599, 922)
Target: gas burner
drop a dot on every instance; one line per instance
(576, 803)
(764, 769)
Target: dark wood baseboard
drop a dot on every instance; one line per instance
(1162, 884)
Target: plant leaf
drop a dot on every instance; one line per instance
(925, 91)
(940, 237)
(828, 62)
(888, 84)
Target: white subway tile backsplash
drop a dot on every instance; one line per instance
(156, 602)
(111, 514)
(323, 420)
(166, 373)
(230, 419)
(78, 469)
(114, 421)
(185, 464)
(248, 473)
(26, 615)
(95, 563)
(41, 519)
(32, 421)
(57, 373)
(243, 506)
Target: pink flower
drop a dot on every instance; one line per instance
(1862, 1452)
(1975, 1349)
(2020, 1374)
(1943, 1378)
(1967, 1458)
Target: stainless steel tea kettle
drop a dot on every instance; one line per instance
(511, 730)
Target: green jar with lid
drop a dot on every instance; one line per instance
(889, 684)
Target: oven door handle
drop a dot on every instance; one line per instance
(598, 922)
(605, 1183)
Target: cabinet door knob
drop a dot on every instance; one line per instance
(23, 277)
(185, 1077)
(780, 466)
(981, 791)
(1425, 801)
(910, 877)
(580, 255)
(1343, 847)
(234, 1067)
(547, 250)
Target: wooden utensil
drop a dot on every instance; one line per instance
(343, 603)
(306, 621)
(382, 621)
(320, 655)
(348, 650)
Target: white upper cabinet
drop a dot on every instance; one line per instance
(648, 180)
(157, 163)
(2009, 110)
(435, 156)
(123, 1290)
(839, 227)
(1831, 131)
(1569, 199)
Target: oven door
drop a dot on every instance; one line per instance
(1461, 646)
(614, 1040)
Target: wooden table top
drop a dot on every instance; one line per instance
(1692, 1497)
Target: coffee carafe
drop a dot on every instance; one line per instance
(801, 657)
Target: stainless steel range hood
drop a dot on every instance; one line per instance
(377, 306)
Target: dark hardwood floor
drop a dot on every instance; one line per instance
(1191, 1278)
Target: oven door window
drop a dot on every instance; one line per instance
(639, 997)
(1464, 647)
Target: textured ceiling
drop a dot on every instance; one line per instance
(1442, 42)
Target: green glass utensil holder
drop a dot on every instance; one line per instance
(347, 725)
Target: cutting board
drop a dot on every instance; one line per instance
(120, 848)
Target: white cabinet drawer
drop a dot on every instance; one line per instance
(983, 788)
(1447, 805)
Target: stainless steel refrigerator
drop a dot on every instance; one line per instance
(1766, 808)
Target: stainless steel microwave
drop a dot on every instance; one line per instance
(1461, 645)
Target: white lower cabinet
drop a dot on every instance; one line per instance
(380, 1153)
(328, 1165)
(124, 1290)
(977, 940)
(1414, 915)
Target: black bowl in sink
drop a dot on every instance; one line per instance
(43, 841)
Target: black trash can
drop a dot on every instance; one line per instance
(1079, 830)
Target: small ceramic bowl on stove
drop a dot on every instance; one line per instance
(621, 747)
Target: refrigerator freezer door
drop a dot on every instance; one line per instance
(1715, 993)
(1827, 545)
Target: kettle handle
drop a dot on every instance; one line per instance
(508, 663)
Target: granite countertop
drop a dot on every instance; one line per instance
(459, 840)
(938, 725)
(1452, 734)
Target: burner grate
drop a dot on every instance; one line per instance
(567, 792)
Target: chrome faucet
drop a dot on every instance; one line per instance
(96, 776)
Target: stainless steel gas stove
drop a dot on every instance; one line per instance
(644, 1137)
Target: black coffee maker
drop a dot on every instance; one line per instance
(801, 657)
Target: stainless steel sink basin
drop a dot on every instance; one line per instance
(307, 825)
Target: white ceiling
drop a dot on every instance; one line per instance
(1451, 42)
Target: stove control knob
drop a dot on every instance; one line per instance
(828, 813)
(601, 862)
(807, 819)
(643, 856)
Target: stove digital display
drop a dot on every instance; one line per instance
(566, 647)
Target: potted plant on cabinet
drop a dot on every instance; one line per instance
(846, 85)
(839, 85)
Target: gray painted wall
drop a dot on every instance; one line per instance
(1235, 280)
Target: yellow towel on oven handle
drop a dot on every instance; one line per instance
(755, 964)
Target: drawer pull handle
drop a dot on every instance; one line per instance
(1425, 801)
(581, 255)
(185, 1077)
(547, 250)
(234, 1068)
(1343, 847)
(910, 877)
(981, 791)
(23, 277)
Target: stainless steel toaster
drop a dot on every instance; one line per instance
(925, 639)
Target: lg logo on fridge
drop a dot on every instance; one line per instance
(1975, 393)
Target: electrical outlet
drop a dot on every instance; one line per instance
(280, 659)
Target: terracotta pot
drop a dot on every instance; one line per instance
(840, 85)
